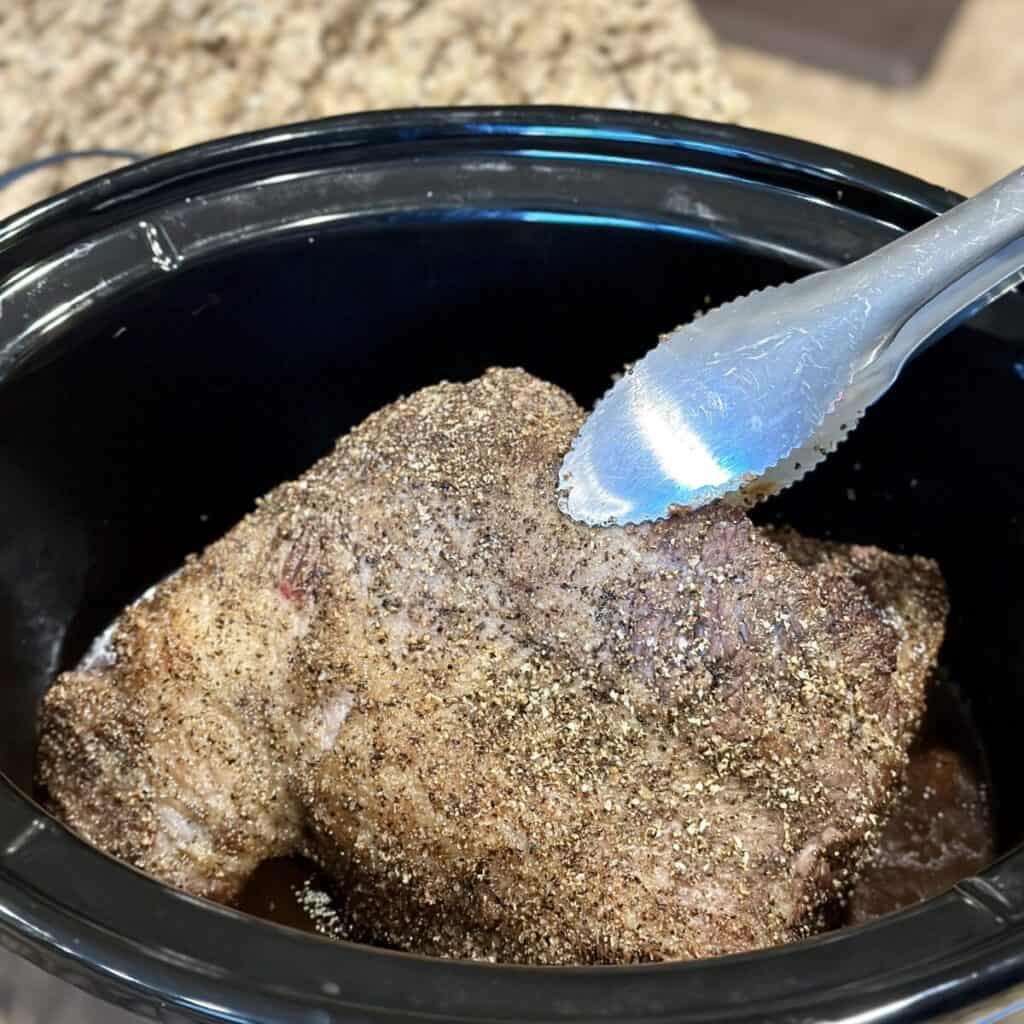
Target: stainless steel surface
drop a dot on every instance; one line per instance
(743, 401)
(1005, 1008)
(29, 996)
(892, 42)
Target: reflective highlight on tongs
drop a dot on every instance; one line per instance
(743, 401)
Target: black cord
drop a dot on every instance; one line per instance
(11, 176)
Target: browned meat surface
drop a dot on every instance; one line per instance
(506, 735)
(940, 830)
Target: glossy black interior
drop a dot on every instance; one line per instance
(160, 412)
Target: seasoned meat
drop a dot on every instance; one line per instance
(506, 735)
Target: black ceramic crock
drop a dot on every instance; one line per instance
(179, 336)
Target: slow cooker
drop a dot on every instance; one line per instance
(180, 335)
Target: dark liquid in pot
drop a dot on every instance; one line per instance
(942, 828)
(273, 891)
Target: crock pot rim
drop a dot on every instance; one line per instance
(768, 151)
(99, 940)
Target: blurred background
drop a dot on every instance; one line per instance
(933, 87)
(929, 86)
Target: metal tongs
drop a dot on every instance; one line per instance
(743, 401)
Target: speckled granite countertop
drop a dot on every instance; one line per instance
(154, 75)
